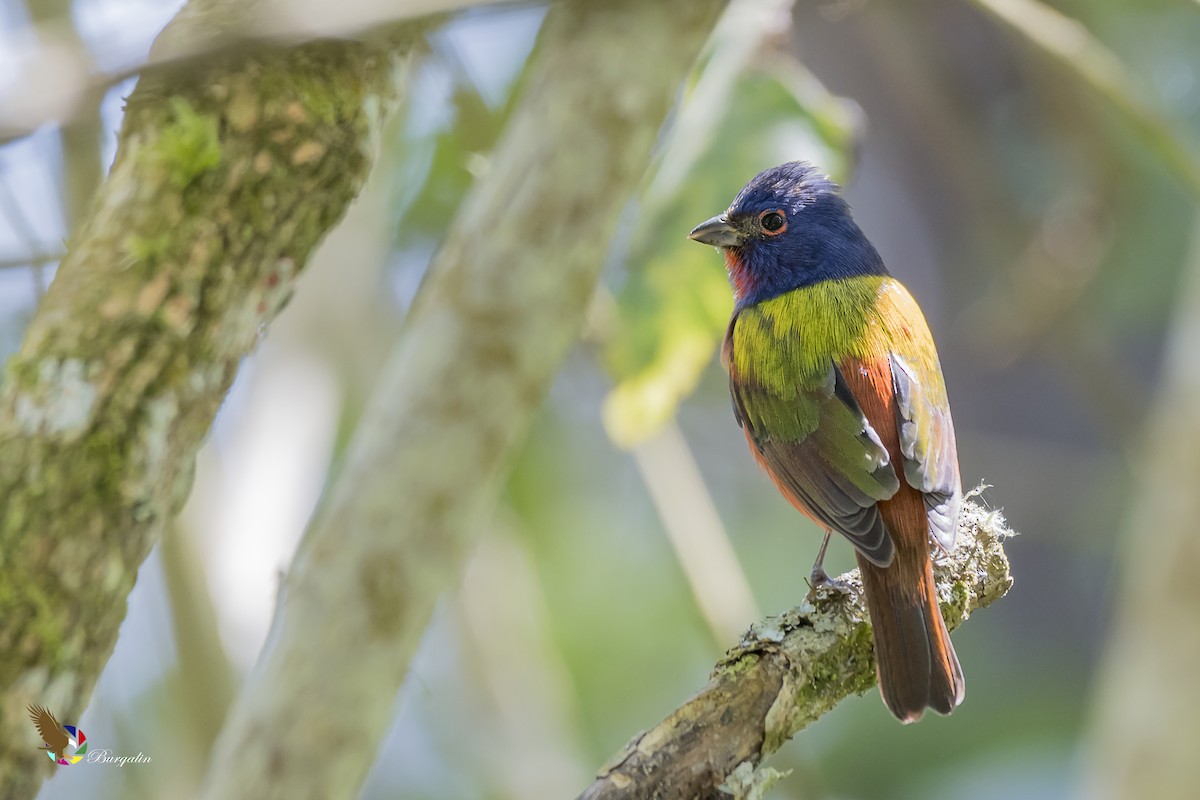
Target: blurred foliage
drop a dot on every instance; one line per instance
(447, 128)
(1068, 41)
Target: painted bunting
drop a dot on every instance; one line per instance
(837, 386)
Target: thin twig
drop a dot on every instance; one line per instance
(30, 260)
(15, 213)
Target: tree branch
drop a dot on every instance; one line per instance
(266, 24)
(225, 180)
(499, 309)
(785, 673)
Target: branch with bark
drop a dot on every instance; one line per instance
(225, 179)
(785, 673)
(79, 84)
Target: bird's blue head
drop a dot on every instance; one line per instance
(788, 228)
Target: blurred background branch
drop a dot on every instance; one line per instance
(1145, 725)
(204, 666)
(82, 170)
(479, 348)
(1069, 42)
(77, 86)
(697, 536)
(785, 673)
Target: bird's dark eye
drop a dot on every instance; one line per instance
(772, 221)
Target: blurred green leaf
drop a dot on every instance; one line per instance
(444, 145)
(675, 304)
(436, 168)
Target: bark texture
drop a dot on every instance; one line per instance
(785, 673)
(225, 180)
(502, 304)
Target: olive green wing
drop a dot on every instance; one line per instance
(824, 455)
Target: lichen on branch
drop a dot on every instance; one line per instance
(787, 671)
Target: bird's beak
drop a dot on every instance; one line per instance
(717, 232)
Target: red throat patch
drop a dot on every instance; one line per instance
(739, 275)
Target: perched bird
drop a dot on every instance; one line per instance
(54, 737)
(837, 386)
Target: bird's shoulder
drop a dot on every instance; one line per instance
(785, 344)
(781, 353)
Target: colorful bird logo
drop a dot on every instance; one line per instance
(57, 738)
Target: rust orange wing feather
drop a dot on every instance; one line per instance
(918, 667)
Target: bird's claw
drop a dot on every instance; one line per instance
(819, 580)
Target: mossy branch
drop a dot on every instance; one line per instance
(225, 180)
(786, 672)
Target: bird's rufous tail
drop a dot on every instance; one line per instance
(918, 668)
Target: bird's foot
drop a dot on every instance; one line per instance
(819, 581)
